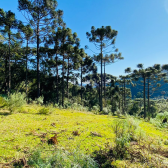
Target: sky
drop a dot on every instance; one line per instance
(142, 27)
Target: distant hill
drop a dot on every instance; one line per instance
(159, 92)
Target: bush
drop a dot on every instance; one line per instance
(125, 132)
(105, 110)
(134, 109)
(39, 100)
(67, 104)
(166, 142)
(95, 109)
(44, 111)
(61, 159)
(159, 120)
(3, 102)
(15, 101)
(162, 116)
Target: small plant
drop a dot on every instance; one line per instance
(122, 139)
(44, 111)
(122, 144)
(96, 109)
(3, 102)
(160, 120)
(125, 132)
(166, 142)
(39, 100)
(15, 101)
(162, 116)
(105, 110)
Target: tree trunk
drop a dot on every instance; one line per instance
(101, 104)
(26, 65)
(144, 78)
(68, 80)
(63, 82)
(38, 63)
(148, 98)
(6, 74)
(112, 109)
(57, 77)
(9, 90)
(124, 97)
(81, 82)
(99, 93)
(104, 83)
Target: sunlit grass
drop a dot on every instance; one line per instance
(20, 133)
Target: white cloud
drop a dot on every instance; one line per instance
(166, 5)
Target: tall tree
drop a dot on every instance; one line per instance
(85, 65)
(4, 62)
(65, 34)
(103, 38)
(43, 17)
(27, 32)
(108, 59)
(8, 22)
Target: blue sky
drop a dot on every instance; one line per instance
(142, 27)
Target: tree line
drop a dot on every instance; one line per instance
(43, 57)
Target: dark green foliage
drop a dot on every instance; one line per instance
(134, 109)
(104, 158)
(44, 19)
(102, 37)
(8, 22)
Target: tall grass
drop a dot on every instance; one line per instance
(61, 159)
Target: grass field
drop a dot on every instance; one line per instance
(20, 133)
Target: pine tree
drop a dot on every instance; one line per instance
(103, 38)
(9, 22)
(43, 17)
(26, 33)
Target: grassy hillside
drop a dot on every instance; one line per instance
(27, 131)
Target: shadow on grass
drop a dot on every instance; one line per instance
(120, 117)
(5, 113)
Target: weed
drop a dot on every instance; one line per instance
(44, 111)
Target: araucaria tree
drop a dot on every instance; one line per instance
(43, 17)
(26, 34)
(8, 22)
(103, 38)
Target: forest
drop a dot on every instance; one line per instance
(53, 98)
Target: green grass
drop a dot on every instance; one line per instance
(20, 132)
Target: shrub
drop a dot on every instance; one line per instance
(44, 111)
(39, 100)
(166, 142)
(67, 104)
(2, 102)
(134, 109)
(60, 158)
(15, 101)
(122, 139)
(162, 116)
(125, 131)
(159, 120)
(95, 109)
